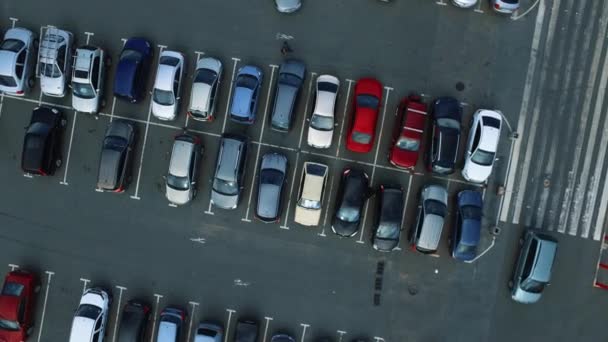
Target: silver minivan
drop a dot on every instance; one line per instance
(432, 211)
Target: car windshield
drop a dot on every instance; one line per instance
(367, 101)
(205, 76)
(164, 97)
(12, 45)
(7, 81)
(348, 214)
(131, 55)
(88, 311)
(471, 212)
(322, 123)
(388, 231)
(273, 177)
(482, 157)
(6, 324)
(50, 70)
(326, 86)
(246, 81)
(533, 286)
(177, 183)
(225, 187)
(83, 90)
(291, 80)
(408, 144)
(434, 207)
(361, 138)
(12, 289)
(309, 204)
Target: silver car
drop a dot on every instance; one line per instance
(228, 178)
(291, 77)
(288, 6)
(505, 6)
(17, 61)
(55, 61)
(432, 211)
(205, 89)
(273, 171)
(183, 169)
(88, 79)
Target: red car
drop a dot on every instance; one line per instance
(409, 128)
(17, 306)
(368, 94)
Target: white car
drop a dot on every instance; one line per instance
(17, 61)
(464, 3)
(91, 317)
(481, 146)
(321, 123)
(505, 6)
(55, 61)
(205, 86)
(88, 79)
(165, 95)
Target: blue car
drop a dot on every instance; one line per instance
(132, 69)
(465, 235)
(246, 94)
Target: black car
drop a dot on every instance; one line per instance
(42, 143)
(247, 330)
(390, 214)
(354, 190)
(447, 115)
(115, 163)
(133, 321)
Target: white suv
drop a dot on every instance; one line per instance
(54, 61)
(88, 79)
(91, 317)
(17, 61)
(165, 95)
(481, 147)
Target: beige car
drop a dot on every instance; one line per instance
(310, 196)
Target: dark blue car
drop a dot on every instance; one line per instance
(132, 69)
(465, 235)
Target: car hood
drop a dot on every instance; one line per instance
(52, 86)
(474, 172)
(319, 139)
(163, 112)
(224, 201)
(241, 101)
(524, 297)
(12, 336)
(84, 105)
(307, 217)
(178, 197)
(403, 158)
(344, 228)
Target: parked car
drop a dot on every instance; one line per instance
(282, 338)
(133, 321)
(353, 192)
(273, 171)
(17, 310)
(247, 88)
(42, 144)
(432, 211)
(388, 223)
(466, 232)
(321, 123)
(505, 6)
(228, 177)
(115, 163)
(55, 61)
(91, 317)
(367, 97)
(447, 115)
(88, 79)
(209, 332)
(310, 195)
(408, 132)
(167, 85)
(247, 330)
(133, 69)
(288, 6)
(17, 61)
(181, 180)
(482, 145)
(205, 89)
(464, 3)
(170, 324)
(291, 77)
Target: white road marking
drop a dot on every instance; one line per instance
(379, 339)
(89, 34)
(13, 267)
(199, 240)
(46, 297)
(116, 321)
(193, 313)
(172, 205)
(341, 333)
(407, 197)
(28, 175)
(230, 312)
(112, 110)
(312, 78)
(84, 284)
(344, 113)
(153, 334)
(441, 3)
(330, 196)
(13, 21)
(304, 327)
(229, 101)
(268, 319)
(67, 161)
(283, 36)
(293, 179)
(1, 103)
(208, 211)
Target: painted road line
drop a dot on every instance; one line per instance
(312, 78)
(478, 8)
(209, 211)
(341, 334)
(371, 180)
(293, 179)
(379, 339)
(193, 313)
(46, 298)
(304, 327)
(235, 62)
(153, 334)
(407, 197)
(84, 284)
(230, 312)
(112, 110)
(67, 161)
(521, 122)
(344, 111)
(267, 319)
(89, 35)
(257, 155)
(1, 103)
(441, 3)
(13, 21)
(331, 186)
(13, 267)
(120, 290)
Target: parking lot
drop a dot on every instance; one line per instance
(223, 264)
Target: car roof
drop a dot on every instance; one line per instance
(82, 329)
(294, 67)
(435, 192)
(489, 133)
(179, 165)
(84, 57)
(355, 186)
(313, 180)
(430, 232)
(7, 62)
(470, 197)
(125, 77)
(325, 102)
(210, 63)
(167, 331)
(109, 168)
(283, 106)
(392, 205)
(229, 158)
(120, 128)
(415, 115)
(275, 161)
(164, 77)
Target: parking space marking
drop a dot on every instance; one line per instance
(67, 161)
(268, 319)
(112, 110)
(193, 313)
(13, 21)
(120, 290)
(1, 103)
(208, 211)
(28, 175)
(46, 298)
(341, 333)
(84, 284)
(371, 180)
(478, 9)
(143, 147)
(441, 3)
(312, 78)
(379, 339)
(230, 312)
(158, 297)
(257, 155)
(293, 179)
(346, 103)
(304, 327)
(89, 35)
(13, 267)
(331, 186)
(407, 196)
(235, 63)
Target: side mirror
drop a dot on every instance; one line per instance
(177, 98)
(192, 183)
(336, 124)
(165, 177)
(307, 119)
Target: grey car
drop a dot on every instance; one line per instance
(288, 6)
(205, 87)
(533, 270)
(183, 169)
(432, 211)
(116, 156)
(273, 171)
(209, 332)
(291, 77)
(228, 177)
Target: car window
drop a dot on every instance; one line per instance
(13, 45)
(476, 137)
(88, 311)
(95, 76)
(322, 123)
(361, 138)
(7, 81)
(271, 176)
(21, 313)
(419, 223)
(98, 324)
(458, 228)
(176, 82)
(205, 76)
(19, 70)
(61, 58)
(408, 144)
(368, 101)
(212, 95)
(12, 289)
(435, 144)
(530, 259)
(192, 164)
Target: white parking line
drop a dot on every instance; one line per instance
(293, 179)
(379, 339)
(158, 297)
(407, 197)
(192, 314)
(257, 155)
(441, 2)
(312, 78)
(268, 319)
(84, 284)
(143, 146)
(304, 327)
(1, 103)
(13, 267)
(346, 103)
(13, 21)
(230, 312)
(120, 290)
(89, 34)
(371, 180)
(67, 161)
(236, 61)
(112, 110)
(341, 333)
(46, 298)
(331, 186)
(478, 8)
